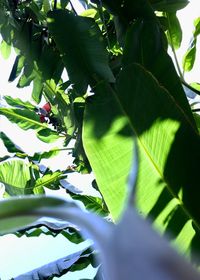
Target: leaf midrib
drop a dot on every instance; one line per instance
(150, 157)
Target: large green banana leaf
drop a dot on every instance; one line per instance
(169, 150)
(80, 42)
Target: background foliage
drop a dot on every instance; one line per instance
(122, 85)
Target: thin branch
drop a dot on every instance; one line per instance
(100, 6)
(189, 86)
(55, 5)
(73, 9)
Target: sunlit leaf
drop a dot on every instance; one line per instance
(24, 118)
(189, 57)
(161, 131)
(49, 180)
(15, 175)
(17, 102)
(174, 30)
(5, 49)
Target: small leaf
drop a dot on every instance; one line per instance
(47, 135)
(189, 57)
(49, 180)
(17, 102)
(94, 204)
(10, 146)
(37, 90)
(5, 49)
(197, 27)
(174, 32)
(39, 156)
(13, 73)
(15, 175)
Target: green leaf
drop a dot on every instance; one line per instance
(189, 57)
(47, 135)
(10, 146)
(14, 212)
(15, 175)
(108, 143)
(5, 49)
(150, 52)
(24, 118)
(49, 180)
(91, 203)
(59, 267)
(65, 112)
(17, 68)
(197, 27)
(197, 119)
(145, 109)
(169, 5)
(39, 156)
(84, 55)
(174, 32)
(37, 90)
(17, 102)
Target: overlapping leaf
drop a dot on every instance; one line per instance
(174, 31)
(189, 58)
(82, 50)
(162, 129)
(15, 175)
(24, 118)
(59, 267)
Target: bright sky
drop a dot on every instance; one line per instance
(21, 255)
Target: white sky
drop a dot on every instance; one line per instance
(21, 255)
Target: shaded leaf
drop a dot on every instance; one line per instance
(91, 203)
(58, 267)
(14, 212)
(39, 156)
(10, 146)
(119, 256)
(47, 135)
(84, 55)
(169, 5)
(174, 32)
(150, 52)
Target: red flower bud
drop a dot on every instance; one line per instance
(47, 107)
(42, 118)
